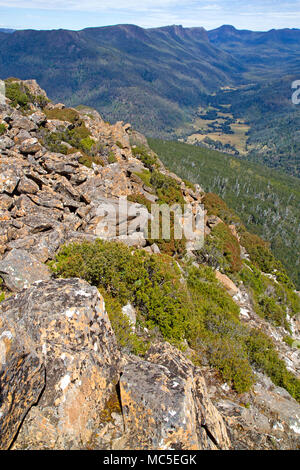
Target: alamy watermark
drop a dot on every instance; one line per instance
(296, 95)
(122, 219)
(2, 92)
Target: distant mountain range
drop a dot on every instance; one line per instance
(155, 78)
(8, 31)
(151, 77)
(264, 54)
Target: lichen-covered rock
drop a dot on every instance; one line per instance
(19, 269)
(163, 396)
(227, 283)
(64, 326)
(8, 181)
(31, 145)
(27, 186)
(22, 379)
(6, 143)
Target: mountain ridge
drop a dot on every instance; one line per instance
(204, 59)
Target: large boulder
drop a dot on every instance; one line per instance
(166, 395)
(31, 145)
(8, 181)
(61, 356)
(20, 269)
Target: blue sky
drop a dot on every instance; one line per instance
(77, 14)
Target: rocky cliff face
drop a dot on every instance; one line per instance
(64, 381)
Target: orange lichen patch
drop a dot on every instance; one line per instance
(112, 405)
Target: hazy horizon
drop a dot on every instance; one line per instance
(132, 24)
(210, 14)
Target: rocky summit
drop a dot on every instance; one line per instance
(110, 339)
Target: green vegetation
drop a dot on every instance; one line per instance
(216, 206)
(87, 160)
(273, 299)
(140, 199)
(182, 302)
(168, 192)
(221, 250)
(74, 140)
(127, 340)
(17, 96)
(265, 200)
(2, 293)
(141, 153)
(118, 143)
(65, 114)
(111, 158)
(2, 129)
(20, 95)
(87, 144)
(263, 356)
(147, 282)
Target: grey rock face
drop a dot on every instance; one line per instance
(56, 360)
(167, 396)
(6, 143)
(19, 269)
(31, 145)
(27, 186)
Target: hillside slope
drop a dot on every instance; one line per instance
(267, 55)
(111, 339)
(267, 201)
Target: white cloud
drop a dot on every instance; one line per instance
(91, 5)
(77, 14)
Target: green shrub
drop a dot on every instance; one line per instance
(152, 284)
(127, 340)
(221, 250)
(145, 176)
(79, 139)
(167, 189)
(288, 340)
(140, 199)
(190, 185)
(15, 92)
(229, 358)
(20, 95)
(2, 129)
(272, 299)
(52, 141)
(148, 160)
(66, 114)
(2, 294)
(183, 302)
(87, 160)
(87, 143)
(168, 192)
(259, 252)
(263, 356)
(272, 311)
(216, 206)
(111, 158)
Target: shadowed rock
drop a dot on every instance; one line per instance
(61, 327)
(166, 395)
(20, 269)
